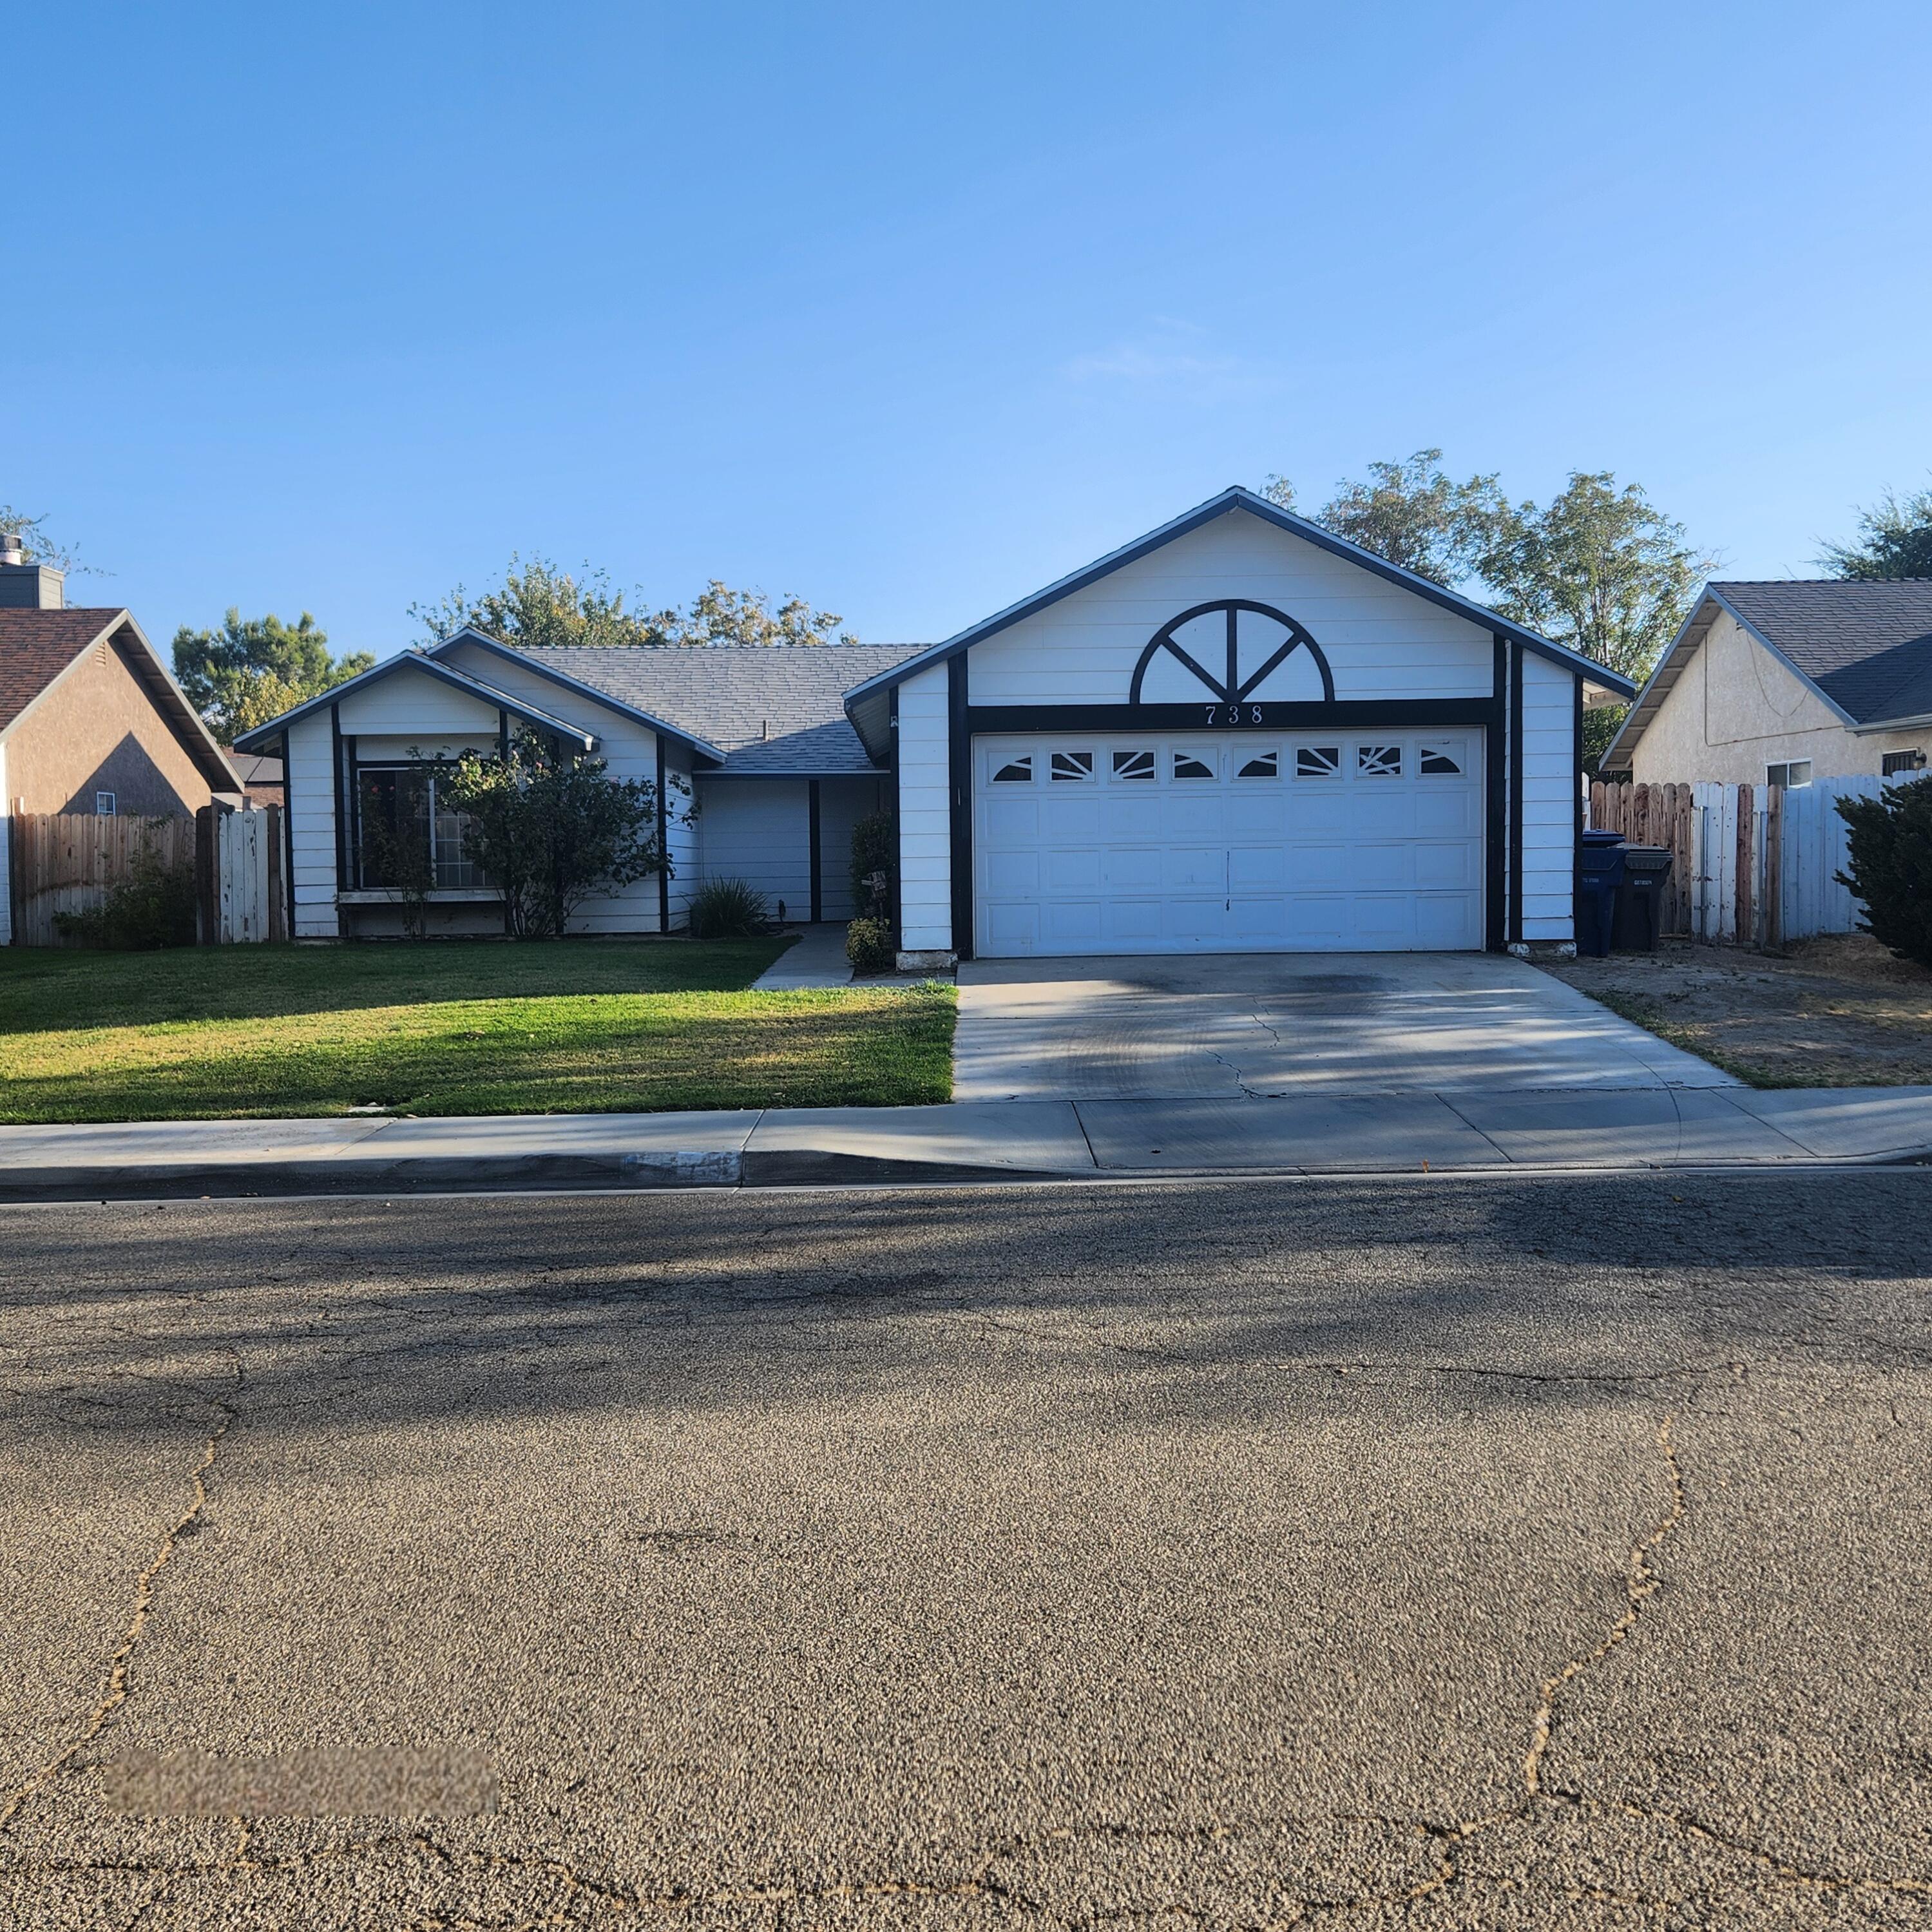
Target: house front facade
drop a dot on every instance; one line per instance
(1239, 734)
(1780, 683)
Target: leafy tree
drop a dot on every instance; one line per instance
(1600, 569)
(1413, 513)
(1895, 540)
(539, 605)
(253, 669)
(552, 829)
(34, 540)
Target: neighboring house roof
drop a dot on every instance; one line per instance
(38, 648)
(263, 736)
(1236, 498)
(255, 769)
(1864, 648)
(770, 709)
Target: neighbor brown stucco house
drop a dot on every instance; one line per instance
(1780, 683)
(90, 720)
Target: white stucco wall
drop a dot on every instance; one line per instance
(1735, 708)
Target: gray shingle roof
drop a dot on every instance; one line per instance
(770, 708)
(1868, 646)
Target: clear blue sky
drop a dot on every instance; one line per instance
(910, 309)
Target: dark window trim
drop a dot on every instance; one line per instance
(898, 858)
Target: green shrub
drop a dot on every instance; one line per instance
(1892, 865)
(873, 841)
(728, 909)
(869, 945)
(152, 907)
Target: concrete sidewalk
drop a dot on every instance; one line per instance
(972, 1141)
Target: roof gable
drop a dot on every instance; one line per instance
(38, 648)
(756, 710)
(1864, 648)
(1232, 499)
(264, 736)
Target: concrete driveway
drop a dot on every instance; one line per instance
(1306, 1025)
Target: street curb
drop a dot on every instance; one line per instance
(649, 1171)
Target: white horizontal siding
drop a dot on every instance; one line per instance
(926, 824)
(1380, 640)
(414, 703)
(629, 750)
(1549, 800)
(6, 856)
(681, 837)
(842, 802)
(758, 830)
(311, 792)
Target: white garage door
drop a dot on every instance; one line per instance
(1195, 843)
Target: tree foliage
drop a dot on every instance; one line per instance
(39, 546)
(539, 605)
(1414, 514)
(1599, 569)
(552, 829)
(1895, 540)
(1890, 846)
(255, 668)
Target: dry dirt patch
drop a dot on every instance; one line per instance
(1836, 1012)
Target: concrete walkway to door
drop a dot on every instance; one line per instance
(1264, 1025)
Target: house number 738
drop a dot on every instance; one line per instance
(1235, 714)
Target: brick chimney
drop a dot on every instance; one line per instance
(27, 587)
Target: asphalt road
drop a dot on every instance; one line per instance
(1477, 1553)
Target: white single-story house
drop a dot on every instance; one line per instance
(1238, 734)
(1776, 683)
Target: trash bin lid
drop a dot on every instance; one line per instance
(1602, 837)
(1647, 858)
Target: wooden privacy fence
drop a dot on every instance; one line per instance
(69, 862)
(1754, 864)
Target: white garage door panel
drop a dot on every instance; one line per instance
(1331, 841)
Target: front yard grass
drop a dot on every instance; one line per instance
(451, 1028)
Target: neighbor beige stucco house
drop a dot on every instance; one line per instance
(1781, 682)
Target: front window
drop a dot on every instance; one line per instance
(408, 839)
(1796, 773)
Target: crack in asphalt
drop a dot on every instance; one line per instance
(1640, 1586)
(114, 1689)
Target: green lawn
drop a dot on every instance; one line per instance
(450, 1028)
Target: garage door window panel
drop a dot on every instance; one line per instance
(1194, 765)
(1378, 761)
(1074, 767)
(1014, 771)
(1135, 767)
(1318, 761)
(1263, 765)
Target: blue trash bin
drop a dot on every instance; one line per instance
(1603, 873)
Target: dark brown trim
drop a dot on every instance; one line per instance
(341, 811)
(959, 770)
(1496, 808)
(899, 863)
(817, 856)
(986, 719)
(1515, 794)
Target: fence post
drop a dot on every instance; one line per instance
(1743, 924)
(1774, 867)
(207, 870)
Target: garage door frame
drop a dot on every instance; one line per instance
(968, 721)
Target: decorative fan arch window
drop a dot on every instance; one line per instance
(1232, 653)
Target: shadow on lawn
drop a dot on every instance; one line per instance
(57, 989)
(1194, 1304)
